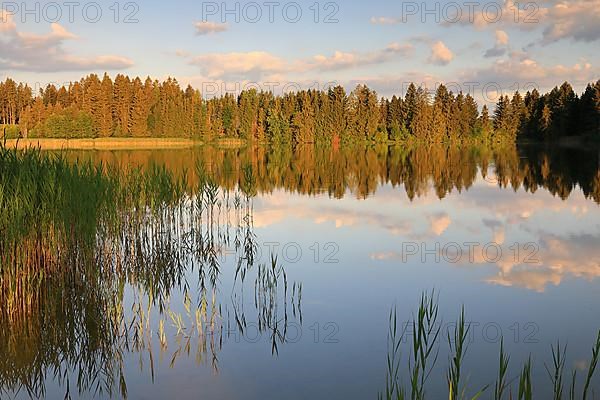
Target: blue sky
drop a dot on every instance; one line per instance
(494, 47)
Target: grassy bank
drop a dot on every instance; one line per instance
(102, 143)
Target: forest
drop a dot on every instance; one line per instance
(97, 107)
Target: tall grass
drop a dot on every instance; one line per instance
(422, 346)
(73, 235)
(501, 382)
(458, 349)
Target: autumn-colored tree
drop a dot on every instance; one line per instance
(93, 107)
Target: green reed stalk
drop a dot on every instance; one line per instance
(501, 383)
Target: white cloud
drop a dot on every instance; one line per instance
(6, 22)
(384, 21)
(207, 27)
(501, 46)
(254, 65)
(341, 60)
(395, 84)
(258, 65)
(501, 38)
(578, 20)
(440, 54)
(521, 71)
(44, 53)
(523, 16)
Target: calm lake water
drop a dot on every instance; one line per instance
(511, 234)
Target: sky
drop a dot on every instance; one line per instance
(484, 48)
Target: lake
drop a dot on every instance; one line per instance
(276, 276)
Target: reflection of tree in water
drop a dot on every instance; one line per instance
(105, 291)
(361, 169)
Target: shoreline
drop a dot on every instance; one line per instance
(150, 143)
(103, 143)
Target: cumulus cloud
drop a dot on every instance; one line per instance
(501, 38)
(254, 65)
(384, 21)
(44, 53)
(577, 20)
(207, 27)
(520, 70)
(501, 46)
(7, 23)
(440, 54)
(260, 65)
(509, 13)
(343, 60)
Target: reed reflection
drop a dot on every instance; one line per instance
(98, 264)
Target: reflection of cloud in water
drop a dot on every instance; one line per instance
(506, 216)
(274, 209)
(509, 215)
(515, 207)
(439, 223)
(559, 257)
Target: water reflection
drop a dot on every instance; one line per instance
(148, 280)
(361, 170)
(176, 273)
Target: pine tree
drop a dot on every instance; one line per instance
(440, 113)
(337, 121)
(534, 109)
(589, 111)
(94, 107)
(139, 109)
(419, 124)
(485, 124)
(503, 116)
(470, 114)
(122, 103)
(363, 113)
(104, 108)
(410, 105)
(519, 117)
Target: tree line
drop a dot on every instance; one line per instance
(130, 107)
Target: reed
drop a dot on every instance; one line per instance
(592, 367)
(501, 383)
(423, 343)
(73, 235)
(525, 384)
(393, 388)
(426, 332)
(458, 349)
(555, 372)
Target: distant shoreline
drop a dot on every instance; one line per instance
(103, 143)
